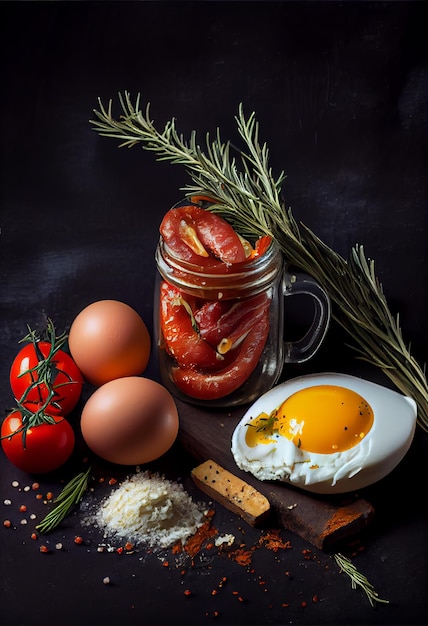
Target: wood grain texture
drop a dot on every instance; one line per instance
(324, 521)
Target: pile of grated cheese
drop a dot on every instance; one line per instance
(147, 508)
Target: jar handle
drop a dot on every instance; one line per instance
(303, 349)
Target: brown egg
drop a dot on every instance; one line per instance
(108, 340)
(130, 421)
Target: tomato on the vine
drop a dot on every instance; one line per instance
(39, 448)
(43, 374)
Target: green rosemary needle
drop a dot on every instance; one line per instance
(250, 199)
(70, 495)
(357, 579)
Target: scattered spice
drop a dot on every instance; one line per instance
(201, 540)
(242, 557)
(194, 544)
(273, 541)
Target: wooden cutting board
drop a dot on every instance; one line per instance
(324, 521)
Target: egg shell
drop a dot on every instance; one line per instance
(108, 339)
(130, 421)
(389, 438)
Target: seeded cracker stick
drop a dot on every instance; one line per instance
(232, 492)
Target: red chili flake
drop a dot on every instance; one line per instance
(78, 540)
(214, 592)
(314, 598)
(235, 593)
(204, 532)
(241, 556)
(128, 546)
(273, 541)
(39, 496)
(35, 486)
(33, 536)
(49, 495)
(119, 550)
(101, 480)
(112, 481)
(177, 548)
(209, 546)
(285, 604)
(22, 508)
(7, 523)
(303, 604)
(187, 592)
(165, 564)
(44, 549)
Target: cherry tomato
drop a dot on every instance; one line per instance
(40, 370)
(44, 448)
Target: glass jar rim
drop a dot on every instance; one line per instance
(236, 280)
(251, 265)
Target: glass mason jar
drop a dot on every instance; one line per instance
(220, 336)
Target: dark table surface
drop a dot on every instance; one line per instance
(341, 94)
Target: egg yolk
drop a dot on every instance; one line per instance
(323, 419)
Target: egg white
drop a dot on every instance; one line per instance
(370, 460)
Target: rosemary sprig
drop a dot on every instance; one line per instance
(250, 198)
(357, 579)
(70, 495)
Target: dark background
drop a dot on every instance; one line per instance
(341, 94)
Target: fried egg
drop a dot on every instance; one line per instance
(325, 433)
